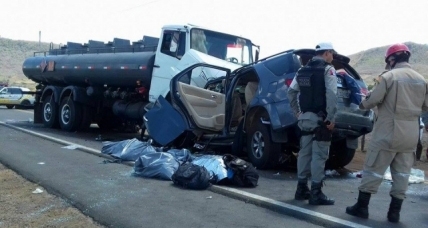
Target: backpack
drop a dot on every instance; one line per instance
(244, 173)
(191, 176)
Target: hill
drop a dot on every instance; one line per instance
(370, 63)
(12, 55)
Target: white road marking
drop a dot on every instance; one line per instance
(26, 111)
(219, 189)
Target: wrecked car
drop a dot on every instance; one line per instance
(247, 113)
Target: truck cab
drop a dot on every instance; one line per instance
(181, 46)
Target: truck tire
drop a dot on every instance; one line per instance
(339, 155)
(9, 106)
(262, 152)
(70, 116)
(50, 112)
(87, 114)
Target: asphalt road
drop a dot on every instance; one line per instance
(111, 195)
(275, 191)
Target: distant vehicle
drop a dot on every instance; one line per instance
(16, 97)
(247, 109)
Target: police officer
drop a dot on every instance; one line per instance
(399, 97)
(315, 109)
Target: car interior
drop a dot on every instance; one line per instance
(207, 107)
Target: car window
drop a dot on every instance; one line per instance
(284, 64)
(15, 91)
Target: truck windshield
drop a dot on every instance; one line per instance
(223, 46)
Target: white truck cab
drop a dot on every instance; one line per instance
(181, 46)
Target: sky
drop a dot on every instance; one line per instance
(276, 25)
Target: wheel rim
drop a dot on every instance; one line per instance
(47, 112)
(65, 114)
(258, 144)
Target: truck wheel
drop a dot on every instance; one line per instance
(50, 110)
(339, 155)
(87, 113)
(262, 152)
(9, 106)
(70, 116)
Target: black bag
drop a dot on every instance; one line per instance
(245, 175)
(191, 176)
(322, 134)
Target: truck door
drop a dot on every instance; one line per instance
(169, 53)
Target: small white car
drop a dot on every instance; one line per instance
(16, 97)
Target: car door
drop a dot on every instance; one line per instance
(16, 95)
(204, 109)
(5, 96)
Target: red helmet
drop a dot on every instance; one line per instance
(396, 48)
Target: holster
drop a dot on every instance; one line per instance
(322, 133)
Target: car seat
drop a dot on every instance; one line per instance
(236, 109)
(250, 91)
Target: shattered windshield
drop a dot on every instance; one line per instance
(223, 46)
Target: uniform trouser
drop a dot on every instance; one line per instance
(375, 165)
(312, 157)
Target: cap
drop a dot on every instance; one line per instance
(324, 46)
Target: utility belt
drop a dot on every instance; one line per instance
(320, 133)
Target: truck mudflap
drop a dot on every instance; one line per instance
(163, 123)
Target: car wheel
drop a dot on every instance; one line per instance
(87, 114)
(70, 116)
(50, 110)
(339, 155)
(9, 106)
(262, 152)
(25, 104)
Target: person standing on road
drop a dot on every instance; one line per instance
(400, 97)
(315, 109)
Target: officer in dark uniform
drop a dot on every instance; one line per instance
(315, 108)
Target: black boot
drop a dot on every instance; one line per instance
(394, 209)
(302, 192)
(361, 208)
(318, 197)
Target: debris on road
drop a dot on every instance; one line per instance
(70, 147)
(37, 191)
(416, 176)
(332, 173)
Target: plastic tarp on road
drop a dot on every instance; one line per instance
(127, 150)
(156, 165)
(214, 164)
(155, 162)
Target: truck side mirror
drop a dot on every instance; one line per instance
(257, 55)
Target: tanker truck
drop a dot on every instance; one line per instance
(113, 84)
